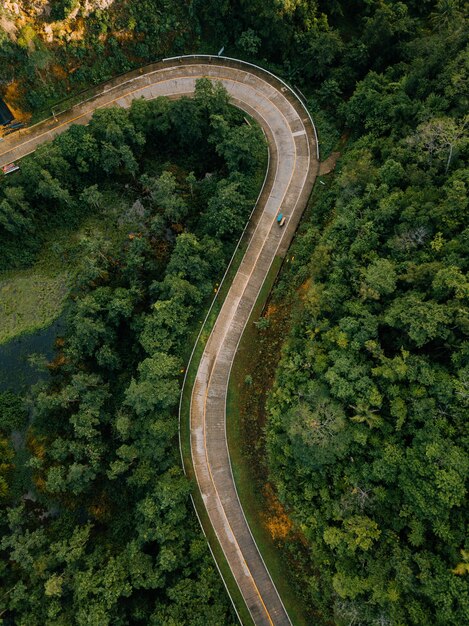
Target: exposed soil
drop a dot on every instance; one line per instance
(253, 374)
(329, 164)
(12, 97)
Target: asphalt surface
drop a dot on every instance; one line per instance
(293, 166)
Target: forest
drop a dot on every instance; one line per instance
(366, 436)
(97, 525)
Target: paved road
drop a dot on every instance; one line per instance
(293, 166)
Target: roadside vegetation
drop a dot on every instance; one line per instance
(367, 427)
(363, 436)
(104, 532)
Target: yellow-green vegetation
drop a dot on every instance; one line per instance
(30, 299)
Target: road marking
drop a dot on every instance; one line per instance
(229, 374)
(208, 466)
(298, 133)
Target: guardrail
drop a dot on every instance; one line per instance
(298, 95)
(301, 99)
(151, 68)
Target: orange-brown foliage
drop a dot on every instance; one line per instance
(276, 519)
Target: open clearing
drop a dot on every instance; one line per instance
(30, 299)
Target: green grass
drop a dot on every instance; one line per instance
(326, 127)
(32, 298)
(254, 505)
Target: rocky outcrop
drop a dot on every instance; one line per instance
(38, 14)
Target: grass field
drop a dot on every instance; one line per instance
(32, 298)
(29, 300)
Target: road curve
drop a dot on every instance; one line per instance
(293, 165)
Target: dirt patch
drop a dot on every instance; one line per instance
(13, 97)
(59, 72)
(329, 164)
(9, 27)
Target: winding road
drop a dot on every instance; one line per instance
(293, 165)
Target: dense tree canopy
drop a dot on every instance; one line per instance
(100, 528)
(367, 435)
(328, 45)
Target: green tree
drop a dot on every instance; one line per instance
(157, 386)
